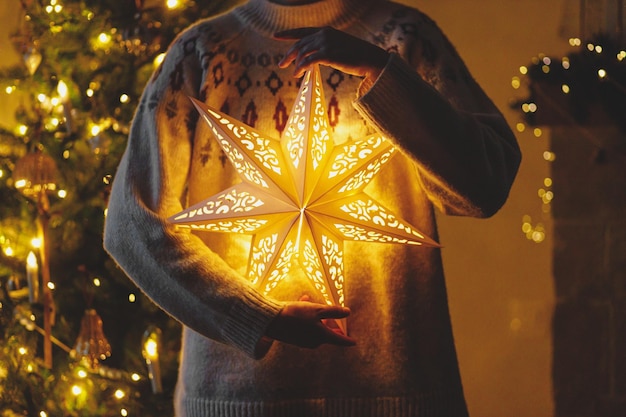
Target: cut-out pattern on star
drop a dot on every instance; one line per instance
(301, 195)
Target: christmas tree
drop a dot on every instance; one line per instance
(76, 336)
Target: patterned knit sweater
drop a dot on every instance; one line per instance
(457, 155)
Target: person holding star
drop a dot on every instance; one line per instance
(386, 68)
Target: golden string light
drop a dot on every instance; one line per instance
(601, 64)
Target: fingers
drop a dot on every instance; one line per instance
(309, 325)
(334, 336)
(298, 52)
(333, 48)
(325, 329)
(304, 52)
(315, 311)
(294, 34)
(332, 312)
(306, 62)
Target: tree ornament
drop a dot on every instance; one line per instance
(301, 196)
(91, 345)
(34, 173)
(27, 45)
(32, 59)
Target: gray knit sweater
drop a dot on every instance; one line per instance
(457, 155)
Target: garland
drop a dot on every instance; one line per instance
(587, 87)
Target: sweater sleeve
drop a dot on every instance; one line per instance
(427, 103)
(173, 267)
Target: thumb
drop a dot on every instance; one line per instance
(333, 312)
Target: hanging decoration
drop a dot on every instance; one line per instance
(27, 45)
(301, 196)
(34, 173)
(32, 59)
(92, 346)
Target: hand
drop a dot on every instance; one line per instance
(309, 325)
(333, 48)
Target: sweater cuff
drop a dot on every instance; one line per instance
(247, 322)
(379, 102)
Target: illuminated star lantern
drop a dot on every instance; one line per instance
(301, 195)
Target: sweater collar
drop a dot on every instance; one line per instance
(267, 17)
